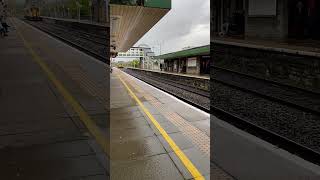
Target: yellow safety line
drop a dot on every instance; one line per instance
(184, 159)
(84, 117)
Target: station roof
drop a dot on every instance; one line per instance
(202, 50)
(165, 4)
(130, 20)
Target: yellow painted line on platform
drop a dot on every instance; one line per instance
(84, 117)
(184, 159)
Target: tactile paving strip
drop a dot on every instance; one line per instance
(79, 75)
(197, 137)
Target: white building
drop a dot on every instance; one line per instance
(132, 53)
(143, 53)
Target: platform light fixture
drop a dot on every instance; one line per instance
(114, 29)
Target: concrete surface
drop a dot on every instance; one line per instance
(40, 136)
(137, 144)
(248, 157)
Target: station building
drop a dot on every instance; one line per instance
(194, 61)
(267, 19)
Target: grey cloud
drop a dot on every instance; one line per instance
(186, 24)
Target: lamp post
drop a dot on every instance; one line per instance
(90, 5)
(55, 9)
(63, 11)
(78, 7)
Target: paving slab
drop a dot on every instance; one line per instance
(39, 139)
(137, 148)
(136, 141)
(148, 168)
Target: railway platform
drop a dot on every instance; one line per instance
(48, 98)
(55, 112)
(156, 132)
(64, 117)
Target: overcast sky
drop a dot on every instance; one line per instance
(186, 24)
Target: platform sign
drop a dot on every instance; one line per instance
(262, 7)
(192, 62)
(33, 3)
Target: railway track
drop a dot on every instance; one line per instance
(285, 116)
(197, 97)
(92, 44)
(300, 138)
(308, 101)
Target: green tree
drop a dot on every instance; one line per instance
(134, 63)
(85, 9)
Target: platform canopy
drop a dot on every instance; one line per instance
(131, 19)
(197, 51)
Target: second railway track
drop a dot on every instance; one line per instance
(197, 97)
(90, 43)
(286, 116)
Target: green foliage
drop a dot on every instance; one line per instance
(85, 9)
(134, 63)
(71, 5)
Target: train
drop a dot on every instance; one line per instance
(32, 10)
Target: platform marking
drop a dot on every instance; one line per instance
(84, 117)
(184, 159)
(194, 134)
(84, 82)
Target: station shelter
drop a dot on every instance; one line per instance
(130, 20)
(194, 61)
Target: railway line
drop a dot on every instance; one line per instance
(197, 97)
(90, 43)
(292, 96)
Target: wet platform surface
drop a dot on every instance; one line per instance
(41, 136)
(45, 135)
(136, 142)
